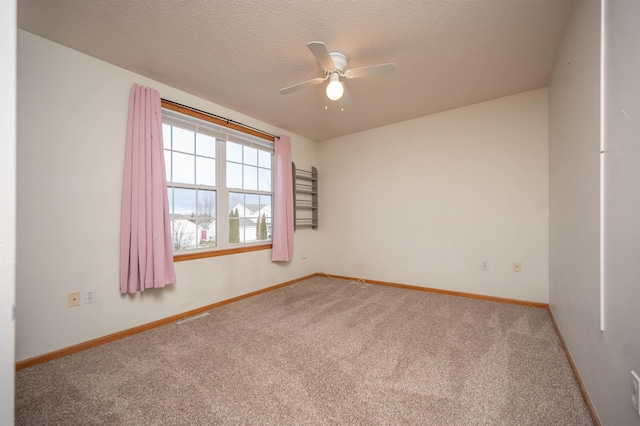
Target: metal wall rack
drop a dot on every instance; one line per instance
(305, 197)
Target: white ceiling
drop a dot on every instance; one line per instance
(240, 53)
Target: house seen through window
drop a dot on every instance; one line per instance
(219, 184)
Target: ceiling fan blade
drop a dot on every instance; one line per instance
(345, 99)
(369, 71)
(302, 85)
(319, 50)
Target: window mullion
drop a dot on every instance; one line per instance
(223, 194)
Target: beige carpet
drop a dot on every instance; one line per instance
(322, 351)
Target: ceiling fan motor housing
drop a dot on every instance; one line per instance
(339, 61)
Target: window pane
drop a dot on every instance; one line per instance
(205, 145)
(183, 226)
(264, 221)
(183, 168)
(243, 218)
(264, 180)
(183, 140)
(166, 136)
(206, 171)
(234, 152)
(234, 175)
(265, 205)
(252, 205)
(236, 206)
(235, 199)
(206, 219)
(251, 230)
(250, 156)
(206, 204)
(184, 202)
(183, 233)
(252, 212)
(250, 177)
(264, 159)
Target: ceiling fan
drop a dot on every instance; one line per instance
(334, 65)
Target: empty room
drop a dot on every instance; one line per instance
(322, 212)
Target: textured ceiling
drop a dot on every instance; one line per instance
(239, 53)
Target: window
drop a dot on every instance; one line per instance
(219, 183)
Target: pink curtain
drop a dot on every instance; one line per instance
(146, 258)
(282, 202)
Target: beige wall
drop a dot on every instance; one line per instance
(72, 117)
(603, 358)
(423, 202)
(442, 193)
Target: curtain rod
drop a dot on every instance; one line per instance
(227, 120)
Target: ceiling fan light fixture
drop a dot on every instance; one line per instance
(335, 90)
(334, 65)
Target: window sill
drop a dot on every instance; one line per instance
(224, 252)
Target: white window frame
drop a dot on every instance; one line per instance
(199, 124)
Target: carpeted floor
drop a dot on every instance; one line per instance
(321, 351)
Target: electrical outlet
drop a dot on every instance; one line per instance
(73, 299)
(304, 254)
(485, 264)
(517, 267)
(89, 295)
(635, 389)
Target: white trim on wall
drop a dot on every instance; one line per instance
(7, 206)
